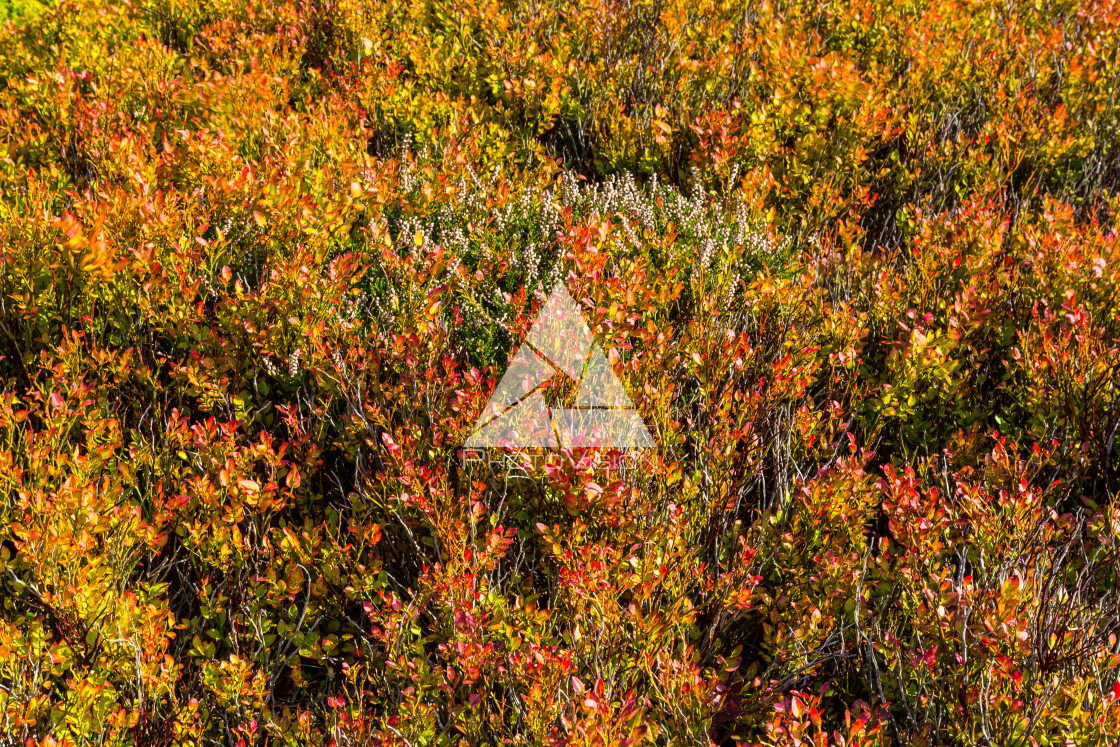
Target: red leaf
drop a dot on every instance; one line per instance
(390, 444)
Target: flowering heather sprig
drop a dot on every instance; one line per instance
(339, 363)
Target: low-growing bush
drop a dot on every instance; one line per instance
(264, 263)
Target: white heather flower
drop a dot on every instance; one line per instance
(339, 363)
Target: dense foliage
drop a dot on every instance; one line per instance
(263, 263)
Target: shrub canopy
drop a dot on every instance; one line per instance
(264, 262)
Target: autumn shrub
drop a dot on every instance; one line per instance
(262, 265)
